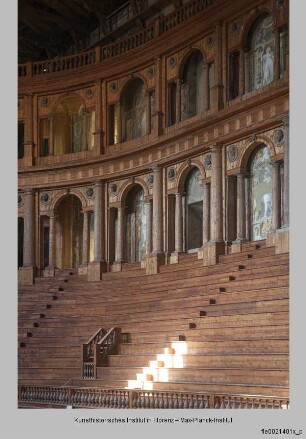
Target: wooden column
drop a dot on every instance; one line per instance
(85, 146)
(149, 227)
(99, 132)
(206, 87)
(158, 115)
(51, 135)
(216, 225)
(206, 213)
(29, 228)
(29, 135)
(158, 210)
(178, 223)
(286, 173)
(98, 223)
(120, 235)
(241, 73)
(148, 111)
(276, 196)
(178, 100)
(52, 241)
(85, 238)
(119, 122)
(241, 209)
(277, 55)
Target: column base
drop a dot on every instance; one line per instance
(174, 257)
(26, 275)
(211, 251)
(48, 272)
(83, 269)
(236, 246)
(95, 270)
(153, 262)
(282, 241)
(116, 266)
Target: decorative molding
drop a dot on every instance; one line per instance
(45, 198)
(113, 189)
(89, 93)
(20, 200)
(278, 137)
(280, 3)
(150, 180)
(207, 161)
(45, 101)
(112, 87)
(232, 153)
(172, 62)
(209, 41)
(90, 193)
(233, 28)
(171, 173)
(150, 72)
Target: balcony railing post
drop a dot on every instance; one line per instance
(211, 400)
(131, 397)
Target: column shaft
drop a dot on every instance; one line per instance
(51, 136)
(120, 235)
(206, 88)
(52, 241)
(241, 208)
(216, 194)
(286, 174)
(241, 73)
(98, 223)
(158, 211)
(85, 238)
(149, 227)
(206, 213)
(178, 223)
(178, 100)
(29, 229)
(148, 104)
(276, 196)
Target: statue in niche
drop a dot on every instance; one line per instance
(267, 63)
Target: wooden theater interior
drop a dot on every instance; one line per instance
(153, 204)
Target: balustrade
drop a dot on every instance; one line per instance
(118, 47)
(124, 398)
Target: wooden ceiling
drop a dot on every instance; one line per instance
(46, 28)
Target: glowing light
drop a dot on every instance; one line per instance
(180, 347)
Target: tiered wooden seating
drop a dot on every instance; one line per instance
(230, 319)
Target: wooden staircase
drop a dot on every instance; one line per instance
(221, 329)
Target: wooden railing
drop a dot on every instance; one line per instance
(118, 47)
(184, 13)
(78, 397)
(129, 43)
(97, 348)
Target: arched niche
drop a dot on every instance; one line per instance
(73, 126)
(260, 193)
(135, 225)
(133, 113)
(192, 86)
(260, 53)
(68, 232)
(193, 210)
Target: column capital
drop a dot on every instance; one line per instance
(97, 183)
(98, 81)
(156, 168)
(285, 120)
(29, 191)
(215, 147)
(276, 163)
(241, 175)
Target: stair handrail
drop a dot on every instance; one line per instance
(108, 344)
(88, 347)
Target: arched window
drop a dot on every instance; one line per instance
(134, 118)
(135, 225)
(261, 193)
(193, 211)
(192, 87)
(260, 57)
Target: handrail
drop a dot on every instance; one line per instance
(78, 397)
(100, 53)
(97, 348)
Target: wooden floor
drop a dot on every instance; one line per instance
(227, 323)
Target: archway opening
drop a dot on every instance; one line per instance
(134, 118)
(69, 233)
(135, 225)
(193, 211)
(260, 193)
(192, 97)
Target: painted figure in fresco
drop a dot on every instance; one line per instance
(267, 65)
